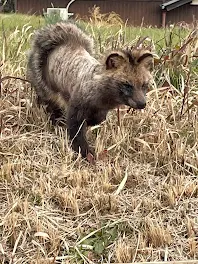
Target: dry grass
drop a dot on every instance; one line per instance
(139, 203)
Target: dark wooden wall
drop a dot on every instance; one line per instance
(136, 12)
(185, 13)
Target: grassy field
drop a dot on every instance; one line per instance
(139, 203)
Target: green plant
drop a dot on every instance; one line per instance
(100, 240)
(8, 5)
(52, 18)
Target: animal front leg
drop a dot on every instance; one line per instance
(77, 126)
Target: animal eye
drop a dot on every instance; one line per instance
(145, 86)
(126, 89)
(128, 85)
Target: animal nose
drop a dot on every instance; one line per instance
(141, 105)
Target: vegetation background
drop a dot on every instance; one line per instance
(139, 202)
(7, 6)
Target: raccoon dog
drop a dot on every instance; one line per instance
(70, 81)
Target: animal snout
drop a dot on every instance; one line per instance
(141, 104)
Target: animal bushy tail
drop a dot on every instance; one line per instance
(52, 36)
(44, 41)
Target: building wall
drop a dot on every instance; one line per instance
(136, 12)
(186, 13)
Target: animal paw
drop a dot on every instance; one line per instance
(90, 158)
(103, 154)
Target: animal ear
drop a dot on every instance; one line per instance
(114, 61)
(147, 60)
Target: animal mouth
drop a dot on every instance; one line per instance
(136, 105)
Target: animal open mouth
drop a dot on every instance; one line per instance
(136, 104)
